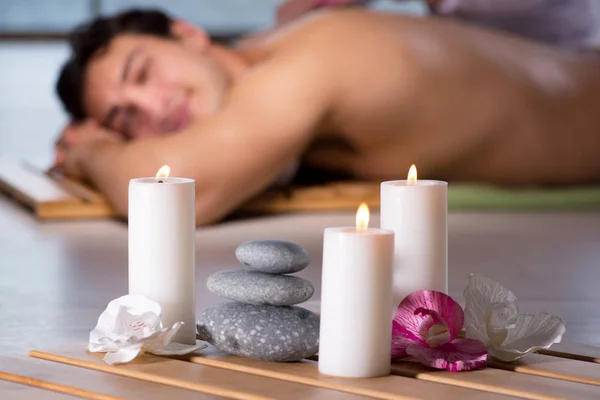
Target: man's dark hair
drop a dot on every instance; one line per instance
(88, 39)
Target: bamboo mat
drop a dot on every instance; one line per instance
(58, 198)
(211, 374)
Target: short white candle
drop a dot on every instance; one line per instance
(162, 248)
(416, 210)
(356, 301)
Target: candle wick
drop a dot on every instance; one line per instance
(160, 181)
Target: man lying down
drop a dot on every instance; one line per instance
(355, 92)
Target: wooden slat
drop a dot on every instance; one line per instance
(16, 391)
(182, 374)
(574, 351)
(306, 372)
(502, 382)
(54, 387)
(80, 210)
(83, 380)
(554, 367)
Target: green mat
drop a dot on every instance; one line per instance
(482, 197)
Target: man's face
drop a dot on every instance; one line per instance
(145, 86)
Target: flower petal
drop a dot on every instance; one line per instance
(122, 356)
(141, 326)
(460, 355)
(138, 304)
(124, 317)
(530, 332)
(102, 345)
(434, 330)
(485, 297)
(177, 349)
(163, 337)
(134, 304)
(407, 327)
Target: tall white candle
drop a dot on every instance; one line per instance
(356, 301)
(416, 210)
(161, 248)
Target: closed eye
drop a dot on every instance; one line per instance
(142, 76)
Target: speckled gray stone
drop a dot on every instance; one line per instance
(261, 332)
(259, 288)
(272, 256)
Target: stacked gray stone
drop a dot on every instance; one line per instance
(262, 321)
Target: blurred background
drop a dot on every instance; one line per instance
(32, 48)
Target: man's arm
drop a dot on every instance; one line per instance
(266, 123)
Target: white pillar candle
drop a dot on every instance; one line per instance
(416, 210)
(356, 301)
(162, 247)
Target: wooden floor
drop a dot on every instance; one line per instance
(56, 277)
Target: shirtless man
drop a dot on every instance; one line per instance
(351, 91)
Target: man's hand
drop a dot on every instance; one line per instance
(75, 141)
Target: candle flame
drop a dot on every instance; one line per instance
(412, 174)
(163, 172)
(362, 217)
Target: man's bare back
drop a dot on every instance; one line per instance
(457, 101)
(367, 94)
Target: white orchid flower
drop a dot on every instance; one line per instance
(130, 326)
(492, 316)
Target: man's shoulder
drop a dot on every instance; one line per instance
(321, 31)
(330, 22)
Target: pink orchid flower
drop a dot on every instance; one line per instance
(426, 326)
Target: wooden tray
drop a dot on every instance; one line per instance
(568, 371)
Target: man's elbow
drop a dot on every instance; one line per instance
(119, 205)
(206, 217)
(209, 209)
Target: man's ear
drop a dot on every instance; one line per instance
(190, 35)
